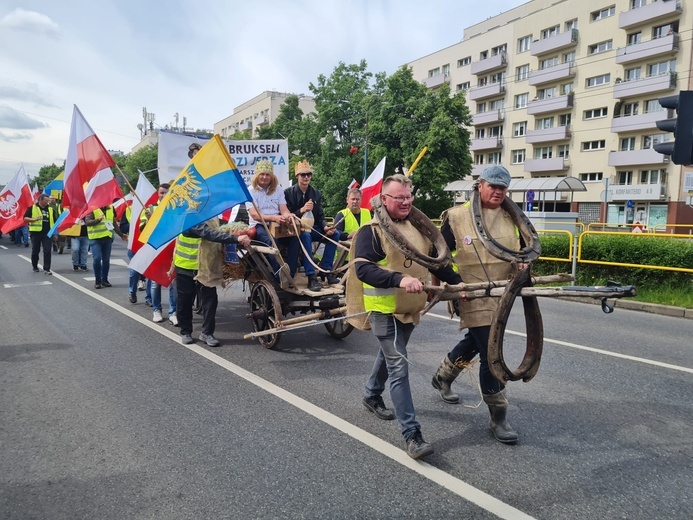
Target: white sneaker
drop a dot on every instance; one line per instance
(173, 319)
(141, 285)
(157, 317)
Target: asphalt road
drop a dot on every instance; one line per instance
(104, 414)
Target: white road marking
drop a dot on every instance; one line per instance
(438, 476)
(588, 349)
(31, 284)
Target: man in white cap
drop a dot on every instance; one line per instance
(476, 264)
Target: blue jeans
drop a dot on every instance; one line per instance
(475, 341)
(292, 255)
(391, 363)
(101, 257)
(133, 276)
(156, 296)
(330, 248)
(21, 234)
(80, 245)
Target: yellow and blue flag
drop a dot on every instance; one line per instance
(55, 186)
(208, 185)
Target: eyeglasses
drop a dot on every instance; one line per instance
(399, 199)
(497, 187)
(305, 174)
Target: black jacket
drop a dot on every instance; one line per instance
(295, 199)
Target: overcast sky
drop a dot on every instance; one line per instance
(111, 58)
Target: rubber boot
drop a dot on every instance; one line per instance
(498, 407)
(446, 374)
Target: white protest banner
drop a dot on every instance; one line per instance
(174, 148)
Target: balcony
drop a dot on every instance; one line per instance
(478, 169)
(621, 192)
(637, 157)
(437, 80)
(555, 43)
(545, 135)
(647, 121)
(499, 61)
(645, 86)
(484, 118)
(649, 13)
(552, 74)
(552, 104)
(489, 143)
(641, 51)
(487, 91)
(546, 165)
(261, 120)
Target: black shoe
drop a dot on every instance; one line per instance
(36, 269)
(26, 245)
(106, 283)
(330, 278)
(376, 405)
(148, 303)
(47, 271)
(75, 268)
(83, 267)
(417, 447)
(97, 285)
(133, 297)
(313, 284)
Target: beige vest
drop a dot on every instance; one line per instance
(408, 304)
(210, 260)
(480, 312)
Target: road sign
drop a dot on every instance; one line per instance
(629, 204)
(529, 206)
(530, 195)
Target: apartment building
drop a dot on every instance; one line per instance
(560, 88)
(261, 110)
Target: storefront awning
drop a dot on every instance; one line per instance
(524, 185)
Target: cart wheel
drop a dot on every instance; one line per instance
(265, 311)
(339, 329)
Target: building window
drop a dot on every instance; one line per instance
(480, 108)
(479, 159)
(595, 113)
(543, 123)
(482, 82)
(595, 81)
(524, 43)
(634, 4)
(545, 152)
(563, 150)
(588, 146)
(483, 55)
(567, 88)
(591, 177)
(600, 47)
(664, 30)
(634, 38)
(446, 70)
(464, 61)
(548, 63)
(546, 93)
(520, 129)
(663, 67)
(648, 141)
(518, 156)
(434, 72)
(462, 86)
(653, 176)
(603, 13)
(569, 57)
(495, 131)
(571, 24)
(498, 77)
(522, 73)
(480, 133)
(624, 178)
(549, 32)
(494, 158)
(627, 144)
(633, 74)
(565, 120)
(652, 105)
(631, 109)
(498, 104)
(495, 51)
(521, 100)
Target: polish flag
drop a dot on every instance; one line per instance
(155, 264)
(101, 191)
(86, 158)
(354, 184)
(35, 192)
(145, 194)
(121, 205)
(373, 185)
(15, 199)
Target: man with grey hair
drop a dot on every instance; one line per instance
(353, 216)
(476, 264)
(391, 290)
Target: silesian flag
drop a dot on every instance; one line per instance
(209, 185)
(15, 199)
(145, 193)
(55, 185)
(86, 158)
(155, 264)
(373, 185)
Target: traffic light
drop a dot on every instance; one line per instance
(681, 149)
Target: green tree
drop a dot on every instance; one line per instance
(144, 159)
(46, 174)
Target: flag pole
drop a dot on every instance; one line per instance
(416, 162)
(132, 190)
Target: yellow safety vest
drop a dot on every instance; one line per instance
(36, 212)
(187, 251)
(100, 230)
(350, 222)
